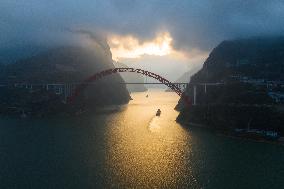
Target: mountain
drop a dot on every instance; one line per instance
(132, 78)
(255, 57)
(61, 65)
(248, 88)
(184, 78)
(12, 54)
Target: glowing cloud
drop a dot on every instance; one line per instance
(130, 47)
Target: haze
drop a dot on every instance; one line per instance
(169, 37)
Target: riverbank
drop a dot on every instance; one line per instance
(228, 134)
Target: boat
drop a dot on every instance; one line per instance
(23, 115)
(158, 113)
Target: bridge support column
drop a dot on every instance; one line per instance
(68, 90)
(65, 93)
(194, 95)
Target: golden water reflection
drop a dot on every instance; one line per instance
(145, 151)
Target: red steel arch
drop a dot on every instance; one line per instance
(107, 72)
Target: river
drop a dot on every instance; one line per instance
(129, 147)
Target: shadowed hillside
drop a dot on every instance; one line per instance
(251, 73)
(61, 65)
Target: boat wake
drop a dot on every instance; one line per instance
(154, 124)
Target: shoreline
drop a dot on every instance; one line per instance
(226, 134)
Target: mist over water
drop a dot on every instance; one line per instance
(129, 147)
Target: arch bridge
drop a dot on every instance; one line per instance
(176, 87)
(71, 90)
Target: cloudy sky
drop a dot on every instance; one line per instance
(166, 36)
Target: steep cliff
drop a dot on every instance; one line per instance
(245, 72)
(260, 58)
(62, 65)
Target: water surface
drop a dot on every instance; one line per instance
(132, 148)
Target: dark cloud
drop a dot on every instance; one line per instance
(193, 24)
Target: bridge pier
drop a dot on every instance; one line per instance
(68, 90)
(194, 95)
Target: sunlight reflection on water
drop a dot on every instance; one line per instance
(146, 150)
(154, 124)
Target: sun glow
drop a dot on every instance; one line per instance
(131, 47)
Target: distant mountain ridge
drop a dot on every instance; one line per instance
(132, 78)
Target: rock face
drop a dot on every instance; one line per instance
(61, 65)
(260, 58)
(249, 71)
(184, 78)
(132, 78)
